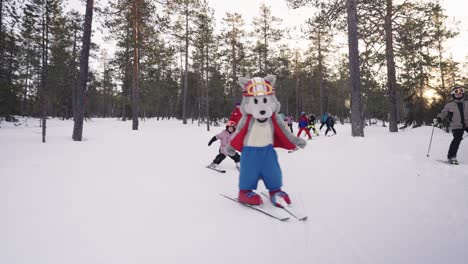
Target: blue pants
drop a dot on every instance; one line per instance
(260, 163)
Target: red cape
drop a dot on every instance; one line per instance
(279, 138)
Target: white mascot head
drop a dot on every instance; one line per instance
(259, 98)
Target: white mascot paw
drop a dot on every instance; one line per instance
(300, 142)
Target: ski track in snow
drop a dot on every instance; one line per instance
(145, 196)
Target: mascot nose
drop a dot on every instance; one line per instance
(262, 112)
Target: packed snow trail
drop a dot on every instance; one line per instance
(124, 196)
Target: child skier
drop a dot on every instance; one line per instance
(457, 113)
(312, 124)
(225, 138)
(323, 120)
(303, 125)
(289, 120)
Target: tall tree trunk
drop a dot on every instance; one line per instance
(323, 107)
(391, 75)
(234, 94)
(126, 85)
(136, 69)
(184, 104)
(45, 44)
(1, 35)
(74, 69)
(207, 89)
(357, 122)
(440, 51)
(79, 111)
(298, 94)
(26, 87)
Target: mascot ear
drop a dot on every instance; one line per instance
(271, 79)
(243, 82)
(244, 102)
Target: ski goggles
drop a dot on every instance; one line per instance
(258, 89)
(458, 91)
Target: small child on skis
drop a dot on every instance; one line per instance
(312, 125)
(303, 125)
(225, 138)
(289, 120)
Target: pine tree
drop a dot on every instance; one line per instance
(320, 32)
(266, 30)
(186, 10)
(232, 35)
(78, 113)
(204, 44)
(9, 52)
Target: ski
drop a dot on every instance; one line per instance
(290, 210)
(449, 163)
(218, 170)
(258, 209)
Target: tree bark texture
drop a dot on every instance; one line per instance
(391, 74)
(357, 122)
(79, 111)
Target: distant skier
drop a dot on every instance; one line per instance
(312, 124)
(225, 138)
(456, 111)
(303, 125)
(289, 120)
(330, 124)
(323, 120)
(236, 114)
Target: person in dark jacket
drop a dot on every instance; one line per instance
(330, 124)
(456, 111)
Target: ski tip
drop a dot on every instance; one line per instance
(222, 171)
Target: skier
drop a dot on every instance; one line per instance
(225, 138)
(330, 124)
(456, 111)
(312, 124)
(289, 120)
(236, 114)
(323, 120)
(303, 123)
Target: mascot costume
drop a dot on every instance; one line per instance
(260, 130)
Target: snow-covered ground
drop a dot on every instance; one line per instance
(145, 197)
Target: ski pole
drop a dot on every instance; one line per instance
(430, 142)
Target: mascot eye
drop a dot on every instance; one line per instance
(255, 101)
(264, 100)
